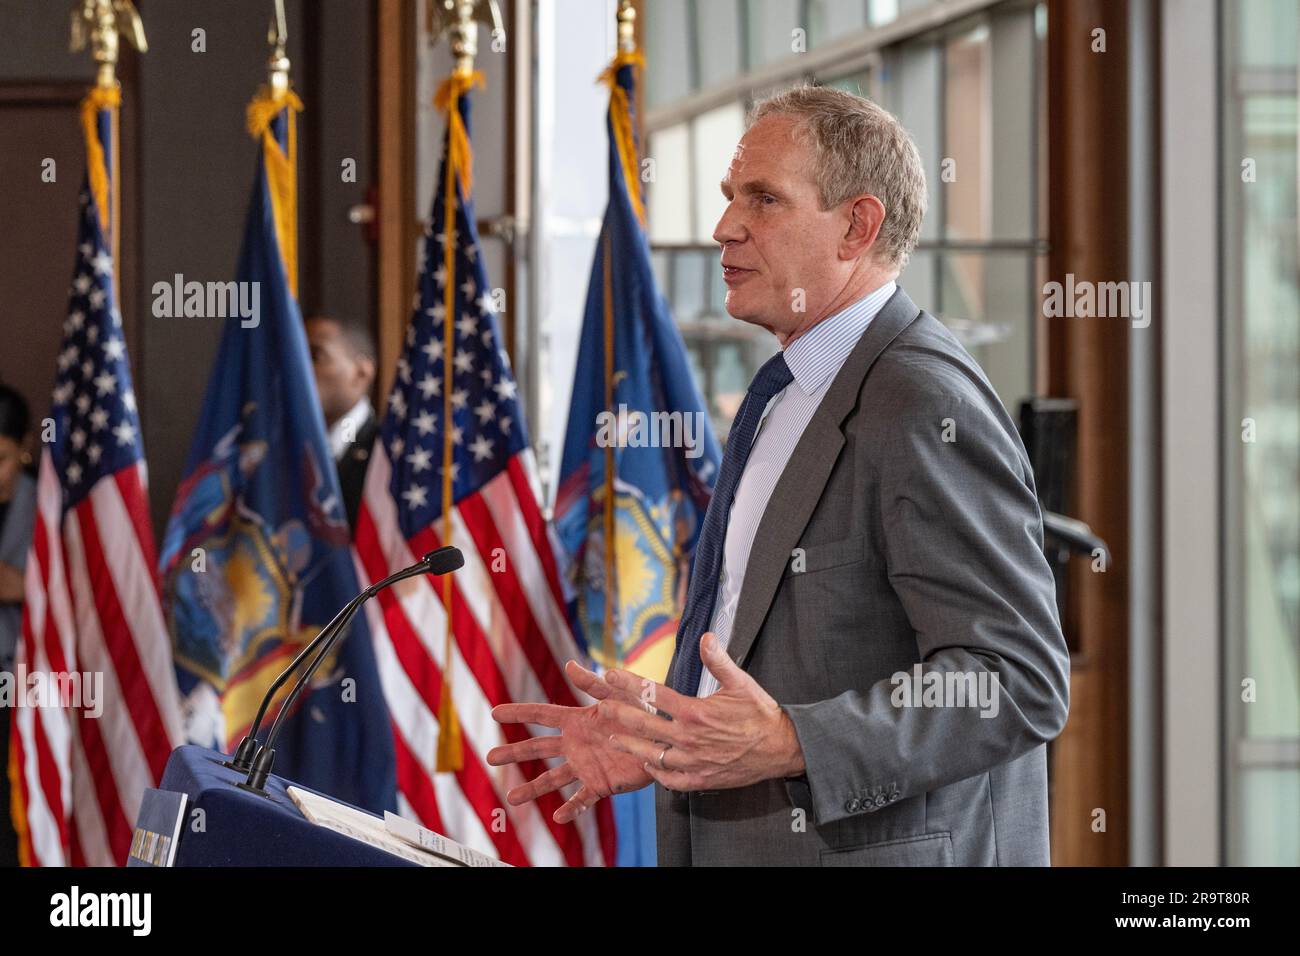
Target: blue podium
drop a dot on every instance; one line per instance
(239, 828)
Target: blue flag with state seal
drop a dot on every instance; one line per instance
(640, 456)
(256, 559)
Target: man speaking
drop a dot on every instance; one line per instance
(869, 664)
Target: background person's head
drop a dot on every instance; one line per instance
(826, 194)
(14, 423)
(343, 358)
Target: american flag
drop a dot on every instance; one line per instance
(511, 635)
(91, 598)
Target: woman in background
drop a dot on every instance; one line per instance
(17, 513)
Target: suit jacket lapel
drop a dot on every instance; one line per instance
(801, 484)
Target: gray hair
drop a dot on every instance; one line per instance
(861, 149)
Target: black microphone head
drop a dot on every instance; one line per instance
(444, 560)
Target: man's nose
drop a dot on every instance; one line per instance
(729, 227)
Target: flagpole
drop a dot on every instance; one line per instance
(459, 18)
(626, 48)
(278, 65)
(610, 526)
(280, 163)
(101, 24)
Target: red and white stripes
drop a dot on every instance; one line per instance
(92, 609)
(511, 640)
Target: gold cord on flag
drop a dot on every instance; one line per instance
(101, 26)
(459, 166)
(613, 650)
(97, 171)
(459, 154)
(281, 170)
(620, 121)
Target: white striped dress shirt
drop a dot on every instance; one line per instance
(814, 359)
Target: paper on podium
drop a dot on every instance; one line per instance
(361, 826)
(436, 843)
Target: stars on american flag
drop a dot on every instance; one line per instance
(430, 385)
(484, 396)
(97, 430)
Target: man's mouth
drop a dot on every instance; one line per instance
(733, 275)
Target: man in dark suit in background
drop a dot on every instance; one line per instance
(343, 358)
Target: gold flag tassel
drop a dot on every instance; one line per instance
(281, 169)
(620, 121)
(459, 166)
(99, 98)
(101, 26)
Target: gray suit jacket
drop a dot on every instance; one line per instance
(911, 502)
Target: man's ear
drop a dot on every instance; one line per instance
(866, 216)
(366, 369)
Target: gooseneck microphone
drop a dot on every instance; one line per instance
(257, 762)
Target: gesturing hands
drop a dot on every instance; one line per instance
(583, 741)
(639, 731)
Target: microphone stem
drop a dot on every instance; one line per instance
(308, 672)
(335, 630)
(260, 759)
(345, 613)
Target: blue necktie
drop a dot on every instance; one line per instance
(703, 591)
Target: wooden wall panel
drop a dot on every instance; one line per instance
(1088, 361)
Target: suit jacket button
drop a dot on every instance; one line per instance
(851, 806)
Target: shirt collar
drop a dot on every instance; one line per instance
(820, 351)
(344, 431)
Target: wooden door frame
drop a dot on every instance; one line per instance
(1087, 360)
(68, 94)
(397, 226)
(398, 221)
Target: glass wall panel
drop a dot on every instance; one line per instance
(1013, 143)
(716, 135)
(965, 169)
(1262, 342)
(911, 90)
(881, 12)
(770, 26)
(719, 40)
(830, 19)
(669, 192)
(669, 34)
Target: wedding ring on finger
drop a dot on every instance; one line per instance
(662, 765)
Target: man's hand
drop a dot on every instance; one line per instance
(583, 742)
(735, 737)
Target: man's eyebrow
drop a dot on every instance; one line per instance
(759, 186)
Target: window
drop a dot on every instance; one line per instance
(1261, 329)
(968, 91)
